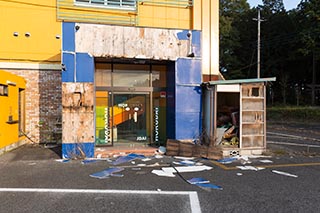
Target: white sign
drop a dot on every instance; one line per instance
(107, 132)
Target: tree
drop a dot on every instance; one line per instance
(308, 16)
(230, 12)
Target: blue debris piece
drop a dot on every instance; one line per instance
(227, 160)
(209, 185)
(129, 157)
(106, 173)
(66, 160)
(198, 180)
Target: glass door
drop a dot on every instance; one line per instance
(131, 117)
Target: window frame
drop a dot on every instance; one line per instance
(107, 4)
(4, 91)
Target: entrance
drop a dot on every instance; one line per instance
(130, 117)
(122, 117)
(130, 102)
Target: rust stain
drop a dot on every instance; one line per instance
(141, 33)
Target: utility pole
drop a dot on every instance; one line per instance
(259, 20)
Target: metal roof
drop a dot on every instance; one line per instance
(240, 81)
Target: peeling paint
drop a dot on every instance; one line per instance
(130, 42)
(77, 112)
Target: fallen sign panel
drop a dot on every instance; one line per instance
(168, 171)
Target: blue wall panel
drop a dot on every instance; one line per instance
(188, 98)
(68, 73)
(68, 36)
(196, 40)
(85, 67)
(187, 125)
(188, 71)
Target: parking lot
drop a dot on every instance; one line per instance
(34, 179)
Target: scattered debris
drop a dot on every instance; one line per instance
(145, 159)
(266, 161)
(186, 163)
(209, 185)
(239, 174)
(129, 157)
(250, 168)
(168, 171)
(284, 173)
(158, 156)
(198, 180)
(186, 169)
(162, 173)
(107, 173)
(184, 158)
(63, 160)
(162, 150)
(227, 160)
(136, 169)
(87, 161)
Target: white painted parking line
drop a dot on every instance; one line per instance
(193, 196)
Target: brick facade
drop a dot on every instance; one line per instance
(43, 104)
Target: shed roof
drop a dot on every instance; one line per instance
(240, 81)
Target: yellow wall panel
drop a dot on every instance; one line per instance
(165, 13)
(9, 106)
(36, 18)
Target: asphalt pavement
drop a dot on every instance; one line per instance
(35, 179)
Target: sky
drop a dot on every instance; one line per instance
(288, 4)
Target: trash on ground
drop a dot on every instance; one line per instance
(250, 168)
(162, 173)
(185, 162)
(63, 160)
(209, 185)
(284, 173)
(129, 157)
(168, 171)
(198, 180)
(87, 161)
(107, 173)
(145, 159)
(162, 150)
(186, 169)
(136, 169)
(184, 158)
(266, 161)
(227, 160)
(158, 156)
(204, 183)
(239, 174)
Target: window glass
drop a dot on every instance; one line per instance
(103, 75)
(22, 102)
(159, 76)
(128, 4)
(131, 76)
(3, 90)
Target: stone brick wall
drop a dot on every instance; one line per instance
(43, 104)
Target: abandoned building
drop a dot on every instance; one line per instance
(127, 72)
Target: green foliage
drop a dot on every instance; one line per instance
(290, 45)
(297, 114)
